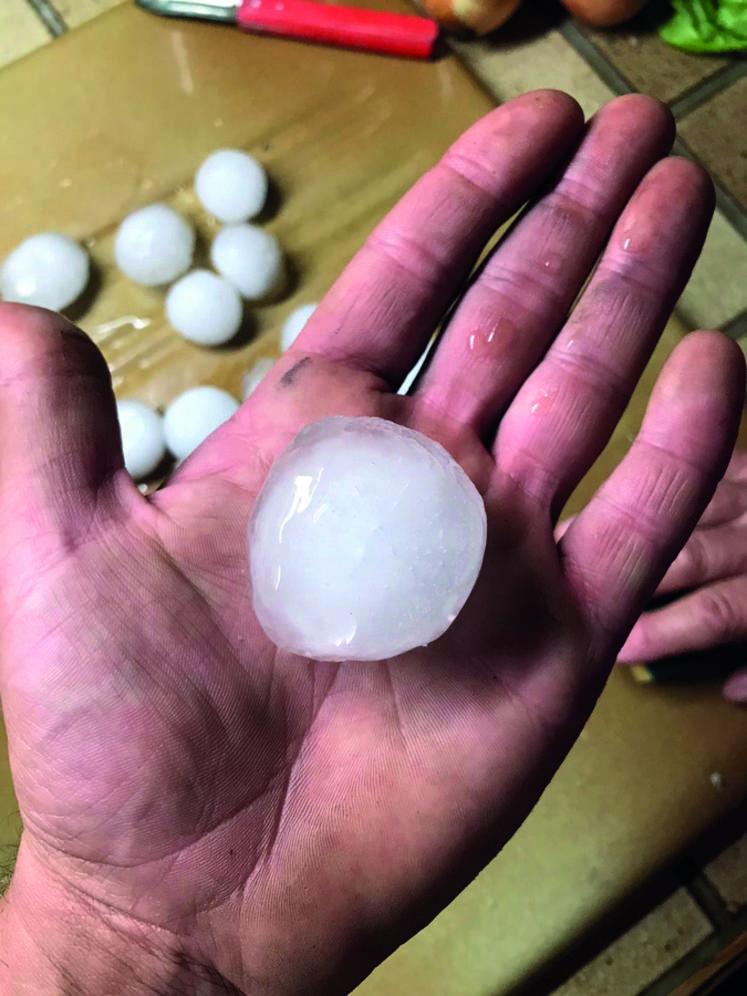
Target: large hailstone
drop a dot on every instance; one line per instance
(49, 270)
(154, 245)
(365, 541)
(249, 258)
(231, 185)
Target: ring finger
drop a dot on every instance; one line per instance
(525, 290)
(566, 410)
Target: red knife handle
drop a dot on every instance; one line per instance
(350, 27)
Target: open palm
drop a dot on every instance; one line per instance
(282, 824)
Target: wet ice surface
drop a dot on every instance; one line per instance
(365, 542)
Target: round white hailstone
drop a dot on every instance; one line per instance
(294, 323)
(143, 441)
(250, 258)
(254, 376)
(231, 185)
(204, 308)
(192, 416)
(154, 245)
(48, 269)
(365, 541)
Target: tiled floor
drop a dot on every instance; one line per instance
(645, 63)
(716, 132)
(637, 959)
(542, 47)
(728, 875)
(76, 12)
(21, 30)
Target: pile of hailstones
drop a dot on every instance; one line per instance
(154, 246)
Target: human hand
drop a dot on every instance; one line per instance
(204, 813)
(710, 572)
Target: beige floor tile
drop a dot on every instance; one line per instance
(648, 950)
(510, 63)
(75, 12)
(728, 872)
(21, 31)
(717, 133)
(648, 63)
(717, 290)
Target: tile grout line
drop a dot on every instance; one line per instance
(708, 88)
(733, 212)
(736, 328)
(689, 101)
(706, 897)
(599, 62)
(48, 14)
(702, 955)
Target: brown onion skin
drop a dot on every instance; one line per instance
(470, 17)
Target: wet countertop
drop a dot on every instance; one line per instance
(120, 113)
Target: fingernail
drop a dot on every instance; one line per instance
(735, 688)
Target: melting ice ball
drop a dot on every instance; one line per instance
(154, 245)
(249, 258)
(48, 269)
(194, 415)
(204, 308)
(365, 541)
(232, 185)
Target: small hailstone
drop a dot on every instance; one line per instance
(204, 308)
(49, 270)
(231, 185)
(256, 374)
(250, 258)
(294, 323)
(154, 245)
(365, 541)
(192, 416)
(143, 441)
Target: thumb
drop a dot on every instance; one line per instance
(60, 447)
(735, 688)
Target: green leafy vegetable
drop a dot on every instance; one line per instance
(707, 25)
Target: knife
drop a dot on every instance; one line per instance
(349, 27)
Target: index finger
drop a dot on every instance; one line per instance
(381, 312)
